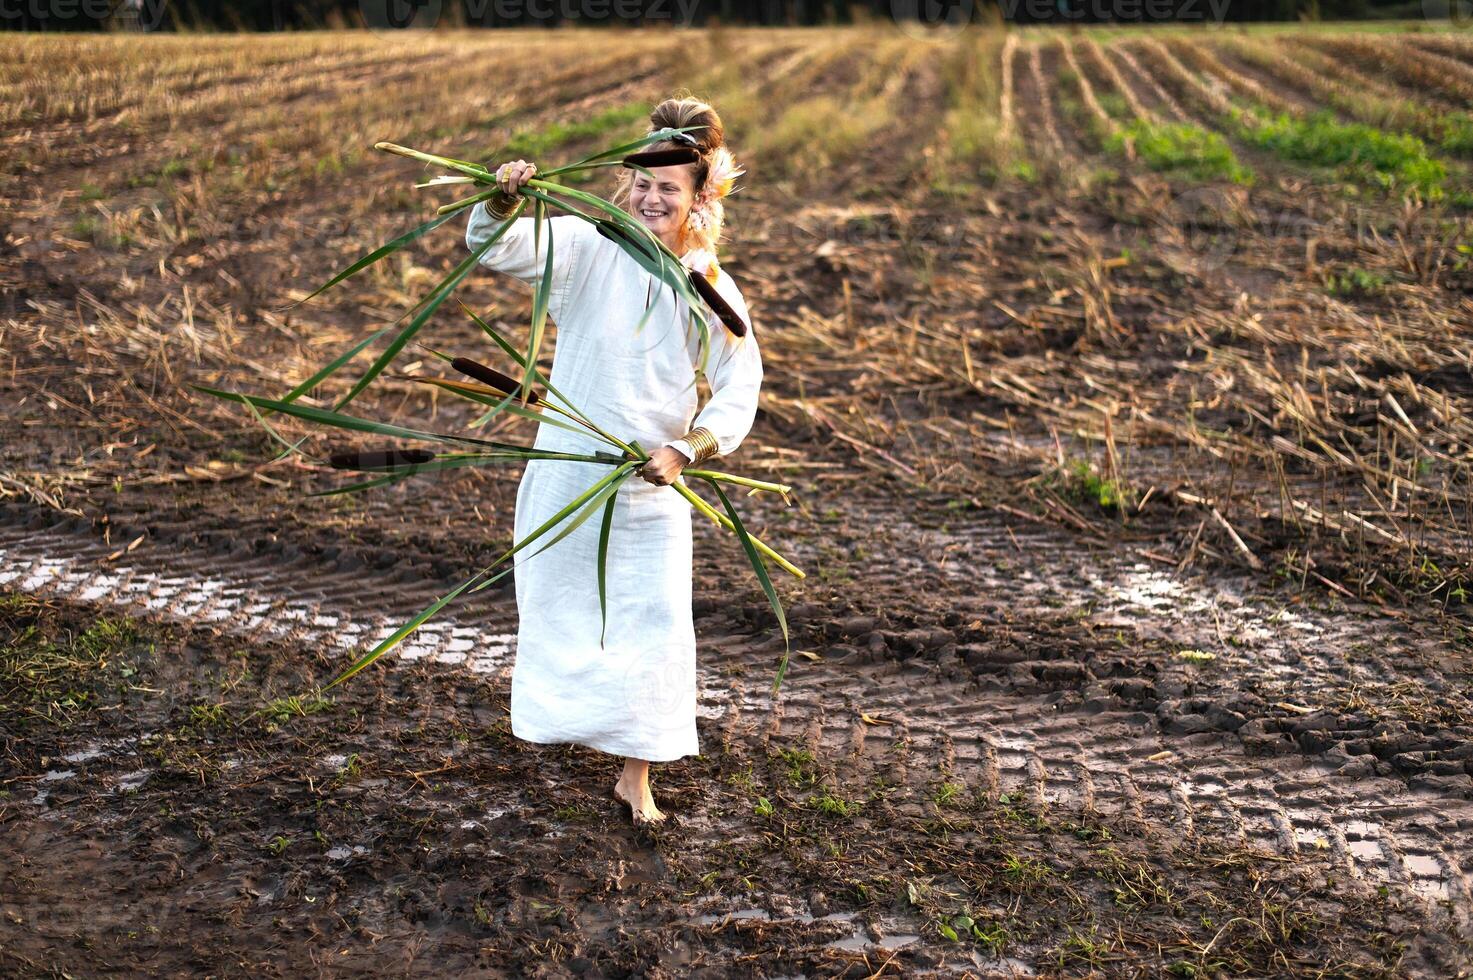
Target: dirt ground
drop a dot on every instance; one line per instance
(1026, 730)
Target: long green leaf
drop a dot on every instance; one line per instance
(510, 350)
(761, 570)
(536, 194)
(722, 521)
(271, 431)
(577, 521)
(505, 405)
(540, 300)
(321, 376)
(584, 514)
(652, 254)
(641, 245)
(360, 487)
(403, 631)
(516, 355)
(635, 251)
(541, 417)
(424, 615)
(350, 422)
(372, 257)
(602, 489)
(626, 223)
(572, 506)
(447, 358)
(437, 296)
(603, 561)
(466, 202)
(466, 167)
(468, 391)
(327, 371)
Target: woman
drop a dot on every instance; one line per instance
(634, 695)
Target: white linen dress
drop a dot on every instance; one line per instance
(635, 696)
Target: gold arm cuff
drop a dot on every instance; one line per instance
(703, 442)
(502, 204)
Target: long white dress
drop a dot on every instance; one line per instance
(635, 696)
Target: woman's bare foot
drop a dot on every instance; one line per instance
(633, 788)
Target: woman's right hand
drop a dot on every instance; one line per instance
(512, 177)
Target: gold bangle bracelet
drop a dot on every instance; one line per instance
(703, 442)
(712, 449)
(501, 205)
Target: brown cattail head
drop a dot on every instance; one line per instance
(718, 304)
(490, 377)
(663, 158)
(383, 459)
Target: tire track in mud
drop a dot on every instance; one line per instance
(862, 716)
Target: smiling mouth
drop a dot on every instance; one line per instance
(653, 214)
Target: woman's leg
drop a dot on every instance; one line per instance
(633, 788)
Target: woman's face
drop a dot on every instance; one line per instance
(662, 204)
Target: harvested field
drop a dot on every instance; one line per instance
(1124, 381)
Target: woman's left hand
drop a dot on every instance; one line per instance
(663, 467)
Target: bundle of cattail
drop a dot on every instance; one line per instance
(662, 158)
(491, 378)
(382, 459)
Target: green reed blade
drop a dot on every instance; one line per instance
(381, 252)
(761, 570)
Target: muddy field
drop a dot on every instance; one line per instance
(1134, 505)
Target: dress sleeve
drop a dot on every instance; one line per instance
(734, 373)
(514, 253)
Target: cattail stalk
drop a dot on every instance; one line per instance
(724, 521)
(741, 481)
(466, 202)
